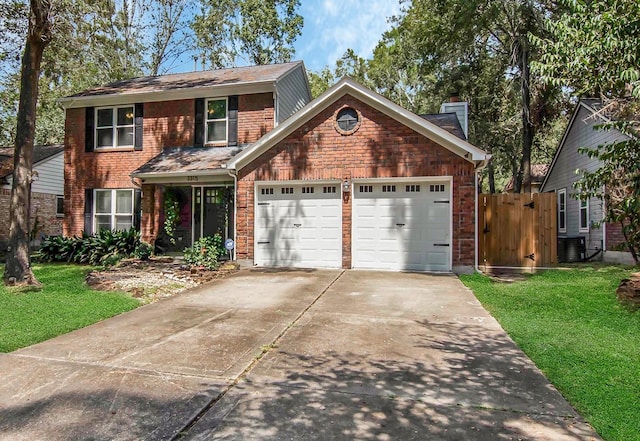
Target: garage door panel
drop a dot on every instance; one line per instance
(400, 229)
(302, 224)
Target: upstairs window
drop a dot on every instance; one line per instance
(113, 210)
(216, 121)
(114, 127)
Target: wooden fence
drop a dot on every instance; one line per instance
(517, 230)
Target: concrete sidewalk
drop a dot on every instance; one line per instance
(347, 355)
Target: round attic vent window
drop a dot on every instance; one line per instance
(347, 120)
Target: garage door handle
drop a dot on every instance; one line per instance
(297, 225)
(440, 244)
(264, 242)
(263, 203)
(400, 225)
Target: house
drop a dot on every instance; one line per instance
(582, 219)
(348, 180)
(47, 190)
(538, 173)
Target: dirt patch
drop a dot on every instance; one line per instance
(628, 293)
(154, 279)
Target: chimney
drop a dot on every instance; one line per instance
(460, 108)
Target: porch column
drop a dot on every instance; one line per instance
(151, 209)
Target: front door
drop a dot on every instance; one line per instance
(212, 212)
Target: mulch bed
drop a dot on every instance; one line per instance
(628, 292)
(156, 278)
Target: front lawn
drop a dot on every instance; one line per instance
(65, 303)
(571, 325)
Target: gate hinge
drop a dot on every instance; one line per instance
(531, 204)
(531, 256)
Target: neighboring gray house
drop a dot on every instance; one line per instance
(578, 219)
(47, 190)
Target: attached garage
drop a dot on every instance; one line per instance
(298, 225)
(402, 225)
(405, 189)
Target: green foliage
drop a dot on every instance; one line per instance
(571, 325)
(594, 48)
(256, 31)
(64, 304)
(104, 248)
(143, 251)
(171, 214)
(205, 252)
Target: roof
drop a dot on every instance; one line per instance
(538, 175)
(40, 153)
(257, 78)
(174, 161)
(447, 121)
(347, 86)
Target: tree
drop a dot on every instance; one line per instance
(18, 263)
(253, 31)
(594, 49)
(448, 33)
(169, 32)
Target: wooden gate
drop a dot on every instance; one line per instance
(517, 230)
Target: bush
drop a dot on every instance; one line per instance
(143, 251)
(104, 248)
(205, 252)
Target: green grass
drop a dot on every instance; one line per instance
(571, 325)
(65, 303)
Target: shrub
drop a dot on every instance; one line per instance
(104, 248)
(205, 252)
(143, 251)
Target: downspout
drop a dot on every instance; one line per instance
(475, 174)
(234, 175)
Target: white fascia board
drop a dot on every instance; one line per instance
(115, 99)
(348, 86)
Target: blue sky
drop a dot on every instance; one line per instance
(333, 26)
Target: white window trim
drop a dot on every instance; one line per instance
(114, 128)
(207, 121)
(58, 214)
(563, 192)
(582, 229)
(113, 213)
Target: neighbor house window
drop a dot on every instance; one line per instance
(216, 121)
(113, 210)
(584, 215)
(59, 206)
(114, 127)
(562, 210)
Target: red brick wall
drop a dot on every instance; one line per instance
(615, 238)
(255, 116)
(42, 205)
(381, 147)
(166, 124)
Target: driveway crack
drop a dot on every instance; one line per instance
(266, 348)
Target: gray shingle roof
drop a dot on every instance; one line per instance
(207, 78)
(40, 153)
(188, 159)
(447, 121)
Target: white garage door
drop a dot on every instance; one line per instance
(402, 226)
(299, 225)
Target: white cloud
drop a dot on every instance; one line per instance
(334, 27)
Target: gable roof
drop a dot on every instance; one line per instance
(219, 82)
(40, 153)
(538, 175)
(347, 86)
(593, 106)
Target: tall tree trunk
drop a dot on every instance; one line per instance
(523, 178)
(18, 266)
(492, 177)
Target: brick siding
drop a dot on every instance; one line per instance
(380, 148)
(165, 124)
(615, 238)
(43, 206)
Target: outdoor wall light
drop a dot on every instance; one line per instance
(346, 186)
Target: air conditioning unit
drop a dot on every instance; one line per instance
(571, 249)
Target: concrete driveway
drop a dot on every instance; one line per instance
(301, 355)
